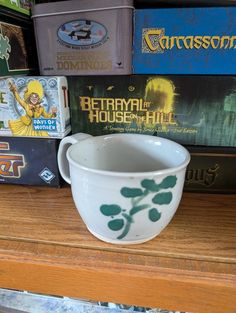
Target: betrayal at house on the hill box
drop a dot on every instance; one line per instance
(193, 110)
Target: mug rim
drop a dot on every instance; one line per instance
(165, 171)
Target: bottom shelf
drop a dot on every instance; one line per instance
(191, 266)
(30, 303)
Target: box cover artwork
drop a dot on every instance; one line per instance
(197, 40)
(21, 6)
(193, 110)
(211, 170)
(29, 161)
(85, 37)
(34, 106)
(18, 54)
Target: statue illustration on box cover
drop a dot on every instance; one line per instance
(32, 105)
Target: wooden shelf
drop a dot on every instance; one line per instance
(190, 266)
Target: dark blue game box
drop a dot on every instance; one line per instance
(29, 161)
(185, 41)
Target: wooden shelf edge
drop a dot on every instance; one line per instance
(122, 249)
(93, 279)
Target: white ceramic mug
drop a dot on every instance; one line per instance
(126, 187)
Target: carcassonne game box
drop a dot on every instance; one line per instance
(198, 40)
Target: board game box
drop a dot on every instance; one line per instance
(34, 106)
(211, 170)
(198, 40)
(86, 37)
(29, 161)
(189, 109)
(21, 6)
(18, 54)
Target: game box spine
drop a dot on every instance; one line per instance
(29, 161)
(211, 170)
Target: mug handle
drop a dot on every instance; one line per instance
(62, 161)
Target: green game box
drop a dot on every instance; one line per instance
(21, 6)
(18, 54)
(189, 109)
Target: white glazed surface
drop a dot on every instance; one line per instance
(104, 168)
(127, 153)
(90, 192)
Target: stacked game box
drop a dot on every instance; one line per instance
(29, 161)
(34, 116)
(18, 54)
(192, 110)
(85, 37)
(212, 169)
(34, 106)
(198, 40)
(21, 6)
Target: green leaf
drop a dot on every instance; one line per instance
(154, 215)
(138, 208)
(116, 224)
(162, 198)
(168, 182)
(110, 210)
(150, 185)
(131, 192)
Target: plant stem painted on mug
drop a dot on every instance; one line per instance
(124, 220)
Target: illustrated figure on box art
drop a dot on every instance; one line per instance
(161, 93)
(32, 105)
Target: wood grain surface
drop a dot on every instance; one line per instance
(190, 266)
